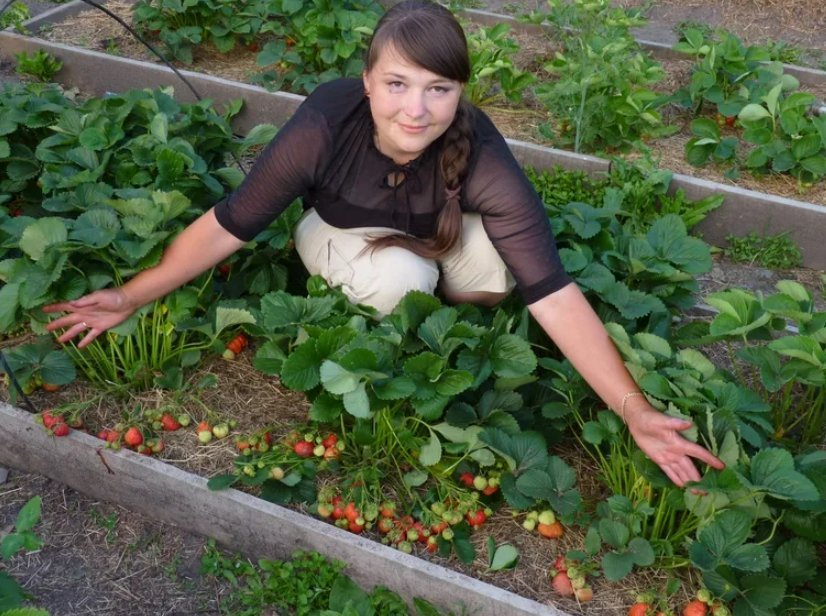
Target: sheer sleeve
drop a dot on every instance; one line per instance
(514, 218)
(287, 169)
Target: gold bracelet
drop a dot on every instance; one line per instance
(624, 402)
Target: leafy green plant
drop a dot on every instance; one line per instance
(100, 197)
(41, 65)
(787, 138)
(726, 71)
(643, 186)
(630, 278)
(183, 26)
(601, 97)
(315, 42)
(306, 584)
(14, 16)
(38, 363)
(12, 596)
(493, 73)
(772, 251)
(790, 366)
(707, 143)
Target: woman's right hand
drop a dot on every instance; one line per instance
(93, 314)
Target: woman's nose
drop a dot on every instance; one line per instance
(414, 105)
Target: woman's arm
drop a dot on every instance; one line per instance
(203, 244)
(567, 317)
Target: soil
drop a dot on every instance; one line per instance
(102, 559)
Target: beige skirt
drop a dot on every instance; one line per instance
(381, 278)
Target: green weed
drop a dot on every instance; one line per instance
(771, 251)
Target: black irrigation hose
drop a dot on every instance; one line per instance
(13, 380)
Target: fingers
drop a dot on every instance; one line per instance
(66, 321)
(74, 330)
(89, 337)
(704, 455)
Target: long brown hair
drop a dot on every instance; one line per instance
(428, 35)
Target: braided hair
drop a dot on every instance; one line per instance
(428, 35)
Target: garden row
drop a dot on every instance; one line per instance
(746, 211)
(461, 403)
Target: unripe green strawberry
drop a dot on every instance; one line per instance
(447, 534)
(546, 517)
(480, 483)
(704, 595)
(220, 430)
(529, 525)
(318, 450)
(184, 420)
(205, 436)
(277, 473)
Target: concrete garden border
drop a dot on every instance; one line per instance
(248, 524)
(744, 211)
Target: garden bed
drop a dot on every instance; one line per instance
(254, 400)
(248, 524)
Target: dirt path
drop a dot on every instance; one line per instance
(799, 22)
(101, 559)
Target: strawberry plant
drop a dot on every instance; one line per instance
(315, 42)
(21, 537)
(788, 368)
(600, 98)
(493, 73)
(787, 138)
(725, 73)
(37, 363)
(183, 26)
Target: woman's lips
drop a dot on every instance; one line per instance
(413, 129)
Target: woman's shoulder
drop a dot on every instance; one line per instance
(337, 100)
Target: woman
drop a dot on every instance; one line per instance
(401, 179)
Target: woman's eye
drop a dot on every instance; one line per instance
(395, 85)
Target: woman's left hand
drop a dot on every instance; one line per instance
(658, 435)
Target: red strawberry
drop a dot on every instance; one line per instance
(476, 518)
(330, 440)
(584, 594)
(60, 429)
(562, 584)
(133, 437)
(50, 387)
(50, 419)
(467, 479)
(639, 609)
(169, 423)
(695, 608)
(303, 449)
(561, 563)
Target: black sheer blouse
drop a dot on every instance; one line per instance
(325, 154)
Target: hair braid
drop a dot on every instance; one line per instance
(453, 162)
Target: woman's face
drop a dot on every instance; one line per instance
(411, 106)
